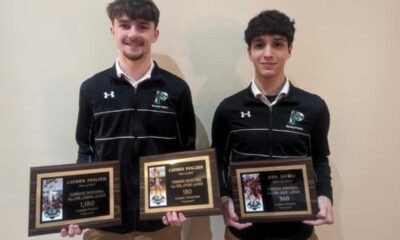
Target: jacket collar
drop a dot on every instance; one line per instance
(290, 94)
(155, 73)
(259, 95)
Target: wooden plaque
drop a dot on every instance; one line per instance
(274, 190)
(85, 194)
(184, 182)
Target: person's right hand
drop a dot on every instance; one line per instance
(72, 231)
(230, 217)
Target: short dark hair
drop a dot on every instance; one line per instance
(134, 9)
(270, 22)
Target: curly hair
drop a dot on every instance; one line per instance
(270, 22)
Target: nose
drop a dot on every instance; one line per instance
(133, 32)
(267, 53)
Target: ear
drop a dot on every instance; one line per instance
(290, 49)
(112, 30)
(156, 35)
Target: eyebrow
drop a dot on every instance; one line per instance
(258, 39)
(138, 21)
(141, 21)
(279, 38)
(276, 38)
(122, 20)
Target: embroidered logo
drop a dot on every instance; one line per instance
(245, 114)
(295, 117)
(109, 95)
(160, 97)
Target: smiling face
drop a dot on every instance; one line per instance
(133, 37)
(269, 53)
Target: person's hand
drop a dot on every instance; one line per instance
(72, 231)
(230, 217)
(174, 219)
(325, 214)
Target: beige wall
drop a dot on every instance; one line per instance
(346, 51)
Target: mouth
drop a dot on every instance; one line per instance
(268, 64)
(134, 44)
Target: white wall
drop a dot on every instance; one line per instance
(346, 51)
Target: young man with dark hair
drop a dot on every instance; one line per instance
(272, 119)
(133, 109)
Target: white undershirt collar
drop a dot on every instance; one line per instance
(135, 83)
(258, 94)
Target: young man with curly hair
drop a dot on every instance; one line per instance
(272, 119)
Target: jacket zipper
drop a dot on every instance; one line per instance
(135, 135)
(270, 131)
(135, 106)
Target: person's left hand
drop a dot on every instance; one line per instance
(325, 214)
(174, 219)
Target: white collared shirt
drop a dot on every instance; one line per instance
(258, 94)
(133, 82)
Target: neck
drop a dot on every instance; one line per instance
(270, 86)
(135, 69)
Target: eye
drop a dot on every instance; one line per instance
(277, 44)
(259, 45)
(124, 26)
(143, 27)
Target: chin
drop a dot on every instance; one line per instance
(134, 57)
(267, 74)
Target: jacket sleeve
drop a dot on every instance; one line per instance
(320, 152)
(186, 121)
(84, 130)
(219, 135)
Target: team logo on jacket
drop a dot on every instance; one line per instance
(159, 99)
(296, 117)
(109, 95)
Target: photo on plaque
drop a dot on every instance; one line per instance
(52, 199)
(184, 182)
(253, 199)
(158, 194)
(274, 190)
(84, 194)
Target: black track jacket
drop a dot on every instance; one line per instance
(118, 122)
(244, 128)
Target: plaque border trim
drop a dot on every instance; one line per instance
(35, 227)
(40, 176)
(303, 164)
(147, 209)
(211, 208)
